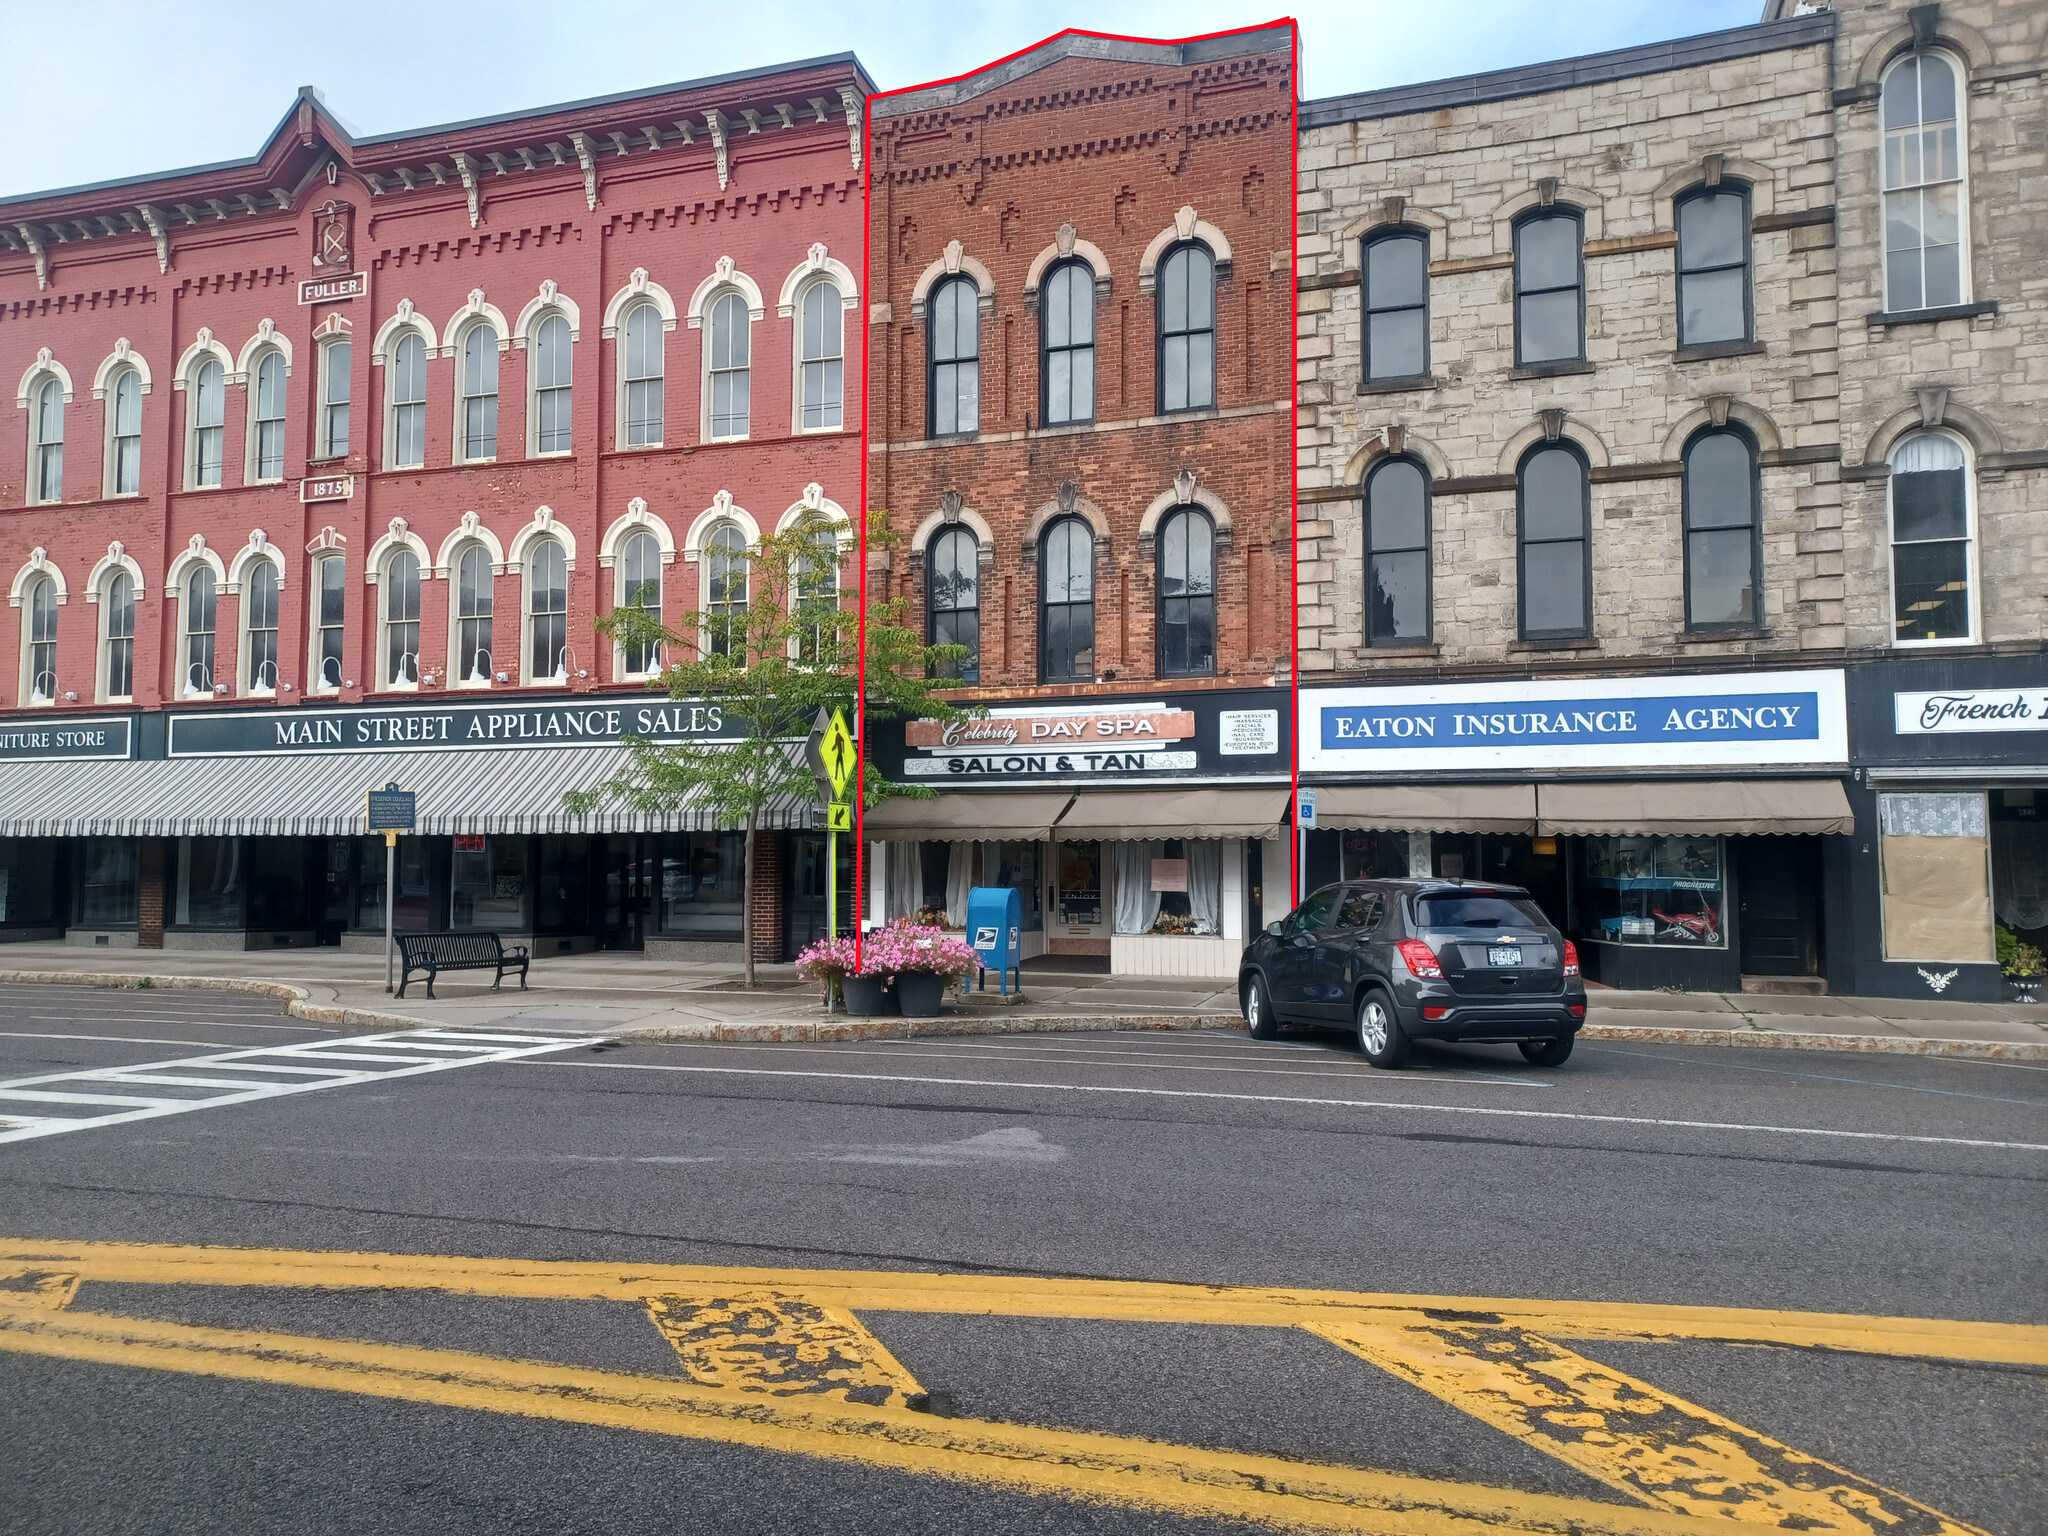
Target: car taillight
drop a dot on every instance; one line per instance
(1420, 960)
(1578, 1010)
(1571, 958)
(1434, 1011)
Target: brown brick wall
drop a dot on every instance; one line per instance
(150, 894)
(764, 897)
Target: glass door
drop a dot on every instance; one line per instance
(1077, 896)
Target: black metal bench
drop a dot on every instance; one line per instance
(432, 953)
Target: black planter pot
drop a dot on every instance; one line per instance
(868, 997)
(2023, 989)
(919, 993)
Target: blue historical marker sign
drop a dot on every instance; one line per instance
(389, 809)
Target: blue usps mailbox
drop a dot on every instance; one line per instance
(995, 927)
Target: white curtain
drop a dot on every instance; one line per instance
(905, 880)
(1925, 452)
(1137, 904)
(1205, 885)
(959, 881)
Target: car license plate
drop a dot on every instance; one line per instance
(1504, 954)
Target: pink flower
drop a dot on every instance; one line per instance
(826, 960)
(904, 947)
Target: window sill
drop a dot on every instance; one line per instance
(1717, 636)
(1187, 412)
(559, 453)
(1409, 385)
(719, 441)
(1403, 648)
(1882, 318)
(953, 437)
(1556, 370)
(1960, 642)
(1709, 349)
(266, 480)
(1525, 647)
(326, 458)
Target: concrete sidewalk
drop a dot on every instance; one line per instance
(626, 995)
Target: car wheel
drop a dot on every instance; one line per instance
(1547, 1053)
(1380, 1037)
(1258, 1010)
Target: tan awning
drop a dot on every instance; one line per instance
(1427, 807)
(1129, 815)
(1024, 815)
(1730, 807)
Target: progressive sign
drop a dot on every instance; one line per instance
(1738, 719)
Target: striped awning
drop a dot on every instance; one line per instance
(506, 791)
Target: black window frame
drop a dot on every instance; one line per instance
(1534, 216)
(1086, 273)
(969, 669)
(1522, 542)
(1756, 534)
(1367, 310)
(1747, 266)
(1160, 600)
(1045, 606)
(1160, 335)
(1427, 549)
(933, 362)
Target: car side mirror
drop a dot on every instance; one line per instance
(1276, 929)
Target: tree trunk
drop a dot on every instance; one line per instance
(747, 903)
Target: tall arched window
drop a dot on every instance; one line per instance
(1723, 545)
(552, 390)
(402, 621)
(953, 600)
(1933, 505)
(202, 598)
(725, 591)
(1550, 312)
(547, 612)
(821, 358)
(641, 373)
(640, 587)
(1397, 553)
(815, 595)
(335, 357)
(731, 370)
(1396, 277)
(46, 442)
(266, 419)
(1067, 325)
(1187, 329)
(117, 665)
(259, 607)
(1187, 594)
(124, 434)
(476, 428)
(1554, 510)
(1925, 203)
(409, 402)
(473, 603)
(1713, 266)
(330, 576)
(953, 326)
(208, 400)
(39, 649)
(1066, 602)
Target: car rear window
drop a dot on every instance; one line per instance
(1457, 909)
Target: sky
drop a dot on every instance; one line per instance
(96, 89)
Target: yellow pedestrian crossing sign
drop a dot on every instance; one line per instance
(837, 750)
(839, 817)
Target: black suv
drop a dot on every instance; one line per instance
(1406, 960)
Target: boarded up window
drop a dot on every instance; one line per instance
(1937, 877)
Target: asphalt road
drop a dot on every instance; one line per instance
(1896, 1187)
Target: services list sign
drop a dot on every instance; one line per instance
(1738, 719)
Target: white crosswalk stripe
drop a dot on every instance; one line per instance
(272, 1072)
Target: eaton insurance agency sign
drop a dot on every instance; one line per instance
(1733, 719)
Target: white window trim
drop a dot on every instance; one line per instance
(244, 572)
(381, 683)
(205, 346)
(397, 335)
(116, 561)
(558, 537)
(110, 394)
(611, 556)
(624, 305)
(37, 566)
(816, 501)
(315, 683)
(801, 292)
(458, 338)
(39, 380)
(549, 305)
(1891, 563)
(323, 448)
(256, 360)
(458, 545)
(704, 322)
(1966, 290)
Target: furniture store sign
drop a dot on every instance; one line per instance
(1739, 719)
(439, 727)
(1961, 710)
(65, 740)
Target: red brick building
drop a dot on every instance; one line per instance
(343, 448)
(1080, 361)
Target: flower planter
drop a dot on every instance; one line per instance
(869, 997)
(919, 993)
(2023, 989)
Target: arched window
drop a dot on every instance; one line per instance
(640, 587)
(547, 612)
(402, 621)
(473, 601)
(1550, 313)
(731, 373)
(1066, 322)
(1397, 553)
(953, 600)
(1925, 202)
(39, 647)
(640, 374)
(821, 358)
(1933, 506)
(330, 573)
(208, 403)
(1066, 603)
(1713, 266)
(1396, 276)
(124, 434)
(953, 326)
(202, 597)
(1723, 548)
(259, 607)
(552, 391)
(476, 404)
(725, 591)
(1187, 594)
(1554, 511)
(409, 402)
(46, 442)
(335, 357)
(1187, 329)
(266, 420)
(117, 665)
(815, 595)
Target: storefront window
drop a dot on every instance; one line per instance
(561, 894)
(1016, 865)
(703, 885)
(28, 884)
(1655, 890)
(488, 882)
(412, 912)
(278, 894)
(1080, 872)
(2019, 863)
(949, 874)
(107, 881)
(209, 883)
(1381, 855)
(1936, 869)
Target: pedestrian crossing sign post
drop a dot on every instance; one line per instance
(834, 760)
